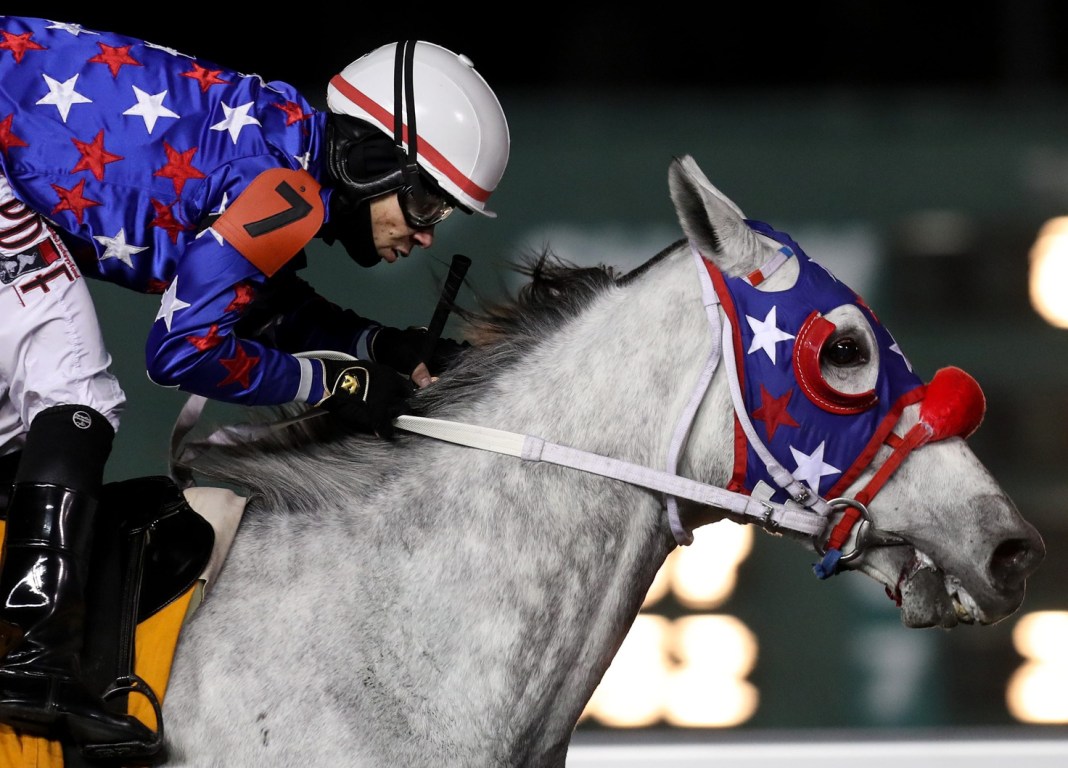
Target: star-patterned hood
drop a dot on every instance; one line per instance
(824, 441)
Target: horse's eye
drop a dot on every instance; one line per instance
(844, 351)
(833, 366)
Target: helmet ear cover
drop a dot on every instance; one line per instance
(365, 164)
(361, 159)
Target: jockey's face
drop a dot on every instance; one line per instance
(393, 236)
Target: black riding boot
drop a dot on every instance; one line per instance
(43, 573)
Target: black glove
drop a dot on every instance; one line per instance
(365, 395)
(403, 350)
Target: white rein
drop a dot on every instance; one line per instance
(805, 512)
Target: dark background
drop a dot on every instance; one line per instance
(988, 45)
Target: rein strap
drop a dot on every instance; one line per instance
(772, 516)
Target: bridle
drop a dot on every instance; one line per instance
(952, 406)
(804, 512)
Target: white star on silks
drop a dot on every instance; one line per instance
(211, 230)
(810, 468)
(236, 119)
(170, 304)
(117, 248)
(62, 95)
(74, 29)
(150, 107)
(222, 206)
(766, 335)
(303, 159)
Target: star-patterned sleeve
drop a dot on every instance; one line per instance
(193, 345)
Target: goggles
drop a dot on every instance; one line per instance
(422, 208)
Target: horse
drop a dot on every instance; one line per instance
(453, 596)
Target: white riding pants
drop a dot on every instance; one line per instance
(51, 347)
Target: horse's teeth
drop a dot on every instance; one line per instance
(963, 604)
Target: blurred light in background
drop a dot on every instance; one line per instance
(1049, 272)
(691, 671)
(703, 575)
(1038, 690)
(708, 687)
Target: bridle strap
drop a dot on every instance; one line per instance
(839, 535)
(771, 515)
(917, 436)
(710, 300)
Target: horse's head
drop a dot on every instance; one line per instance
(831, 415)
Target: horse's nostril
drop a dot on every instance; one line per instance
(1016, 559)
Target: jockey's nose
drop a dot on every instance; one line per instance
(424, 238)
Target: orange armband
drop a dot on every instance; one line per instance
(276, 216)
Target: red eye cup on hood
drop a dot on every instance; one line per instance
(810, 340)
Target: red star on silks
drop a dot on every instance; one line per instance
(243, 296)
(72, 200)
(294, 114)
(240, 368)
(179, 168)
(19, 44)
(7, 138)
(114, 57)
(166, 220)
(211, 339)
(773, 411)
(94, 156)
(205, 77)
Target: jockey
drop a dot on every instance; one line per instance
(163, 173)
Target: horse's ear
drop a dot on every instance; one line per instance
(711, 221)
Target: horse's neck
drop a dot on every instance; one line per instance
(563, 557)
(480, 591)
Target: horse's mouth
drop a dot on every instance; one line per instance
(930, 597)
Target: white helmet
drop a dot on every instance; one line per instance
(461, 135)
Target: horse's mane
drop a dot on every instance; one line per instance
(501, 332)
(278, 462)
(556, 291)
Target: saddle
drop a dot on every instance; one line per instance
(154, 556)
